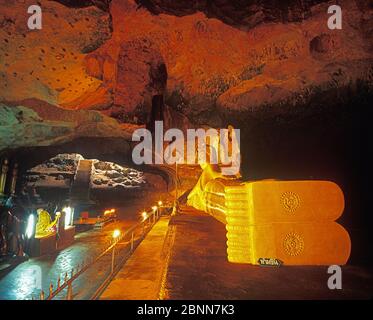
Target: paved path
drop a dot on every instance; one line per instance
(141, 276)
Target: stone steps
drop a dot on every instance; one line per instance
(80, 188)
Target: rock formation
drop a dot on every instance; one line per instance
(210, 60)
(59, 171)
(246, 14)
(111, 175)
(47, 64)
(42, 124)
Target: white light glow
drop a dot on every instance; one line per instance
(116, 233)
(30, 226)
(144, 215)
(69, 216)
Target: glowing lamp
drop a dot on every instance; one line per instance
(107, 212)
(160, 203)
(69, 216)
(155, 208)
(116, 233)
(144, 215)
(30, 228)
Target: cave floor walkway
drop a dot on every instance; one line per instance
(141, 277)
(185, 258)
(22, 283)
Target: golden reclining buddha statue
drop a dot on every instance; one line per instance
(291, 221)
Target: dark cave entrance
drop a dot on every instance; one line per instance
(157, 112)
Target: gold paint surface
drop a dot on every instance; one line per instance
(288, 220)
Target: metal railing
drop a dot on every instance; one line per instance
(143, 226)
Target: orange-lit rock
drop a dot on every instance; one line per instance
(141, 74)
(240, 58)
(47, 64)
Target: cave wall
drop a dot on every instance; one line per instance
(47, 64)
(211, 60)
(238, 13)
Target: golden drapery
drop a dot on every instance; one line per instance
(45, 226)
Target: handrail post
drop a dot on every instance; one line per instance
(69, 295)
(50, 289)
(132, 241)
(112, 260)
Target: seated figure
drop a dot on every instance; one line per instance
(45, 226)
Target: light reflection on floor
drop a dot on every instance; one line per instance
(23, 281)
